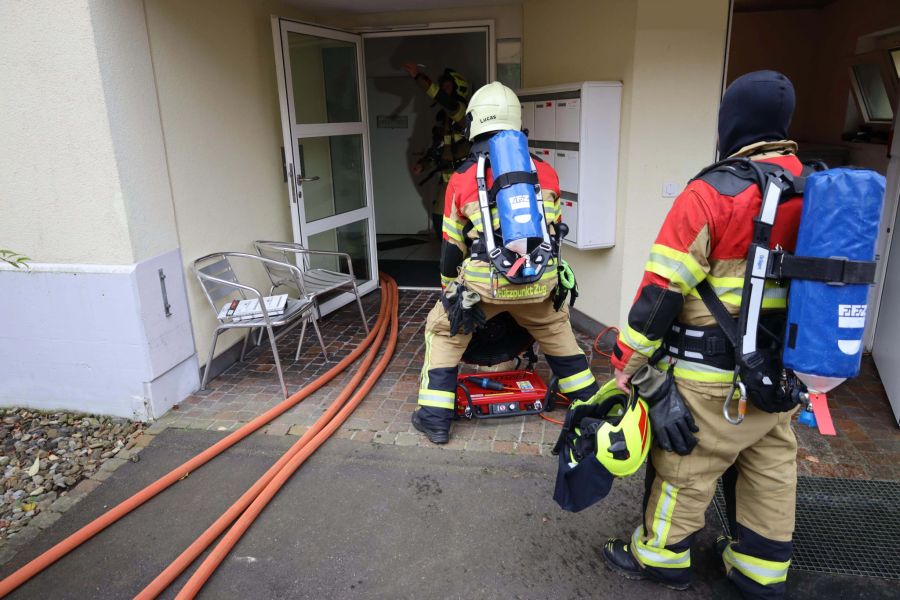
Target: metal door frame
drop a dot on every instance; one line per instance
(291, 132)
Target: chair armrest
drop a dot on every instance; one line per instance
(294, 248)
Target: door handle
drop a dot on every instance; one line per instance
(301, 179)
(291, 189)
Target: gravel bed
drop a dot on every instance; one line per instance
(43, 455)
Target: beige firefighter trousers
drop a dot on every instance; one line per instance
(763, 449)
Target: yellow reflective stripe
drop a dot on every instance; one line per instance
(482, 273)
(426, 365)
(460, 113)
(686, 369)
(453, 230)
(724, 286)
(658, 557)
(475, 274)
(437, 398)
(680, 268)
(433, 89)
(729, 290)
(445, 281)
(763, 572)
(725, 282)
(662, 518)
(576, 382)
(638, 341)
(476, 220)
(767, 303)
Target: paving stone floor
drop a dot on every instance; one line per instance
(867, 445)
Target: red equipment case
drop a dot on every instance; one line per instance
(527, 395)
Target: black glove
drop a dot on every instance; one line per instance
(462, 309)
(473, 316)
(559, 296)
(670, 419)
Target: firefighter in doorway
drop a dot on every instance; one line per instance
(449, 146)
(477, 286)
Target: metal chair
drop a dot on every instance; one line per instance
(220, 284)
(316, 281)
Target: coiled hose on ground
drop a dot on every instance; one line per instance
(245, 510)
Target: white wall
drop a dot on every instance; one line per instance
(215, 74)
(676, 86)
(590, 41)
(507, 18)
(59, 184)
(669, 57)
(85, 193)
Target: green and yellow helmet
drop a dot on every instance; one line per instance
(461, 83)
(613, 427)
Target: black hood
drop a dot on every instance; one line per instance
(756, 107)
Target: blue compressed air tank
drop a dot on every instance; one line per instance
(825, 322)
(517, 205)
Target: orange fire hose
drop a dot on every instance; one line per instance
(65, 546)
(231, 538)
(212, 533)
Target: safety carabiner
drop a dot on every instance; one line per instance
(742, 403)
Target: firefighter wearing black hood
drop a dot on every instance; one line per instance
(705, 237)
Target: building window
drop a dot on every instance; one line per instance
(509, 62)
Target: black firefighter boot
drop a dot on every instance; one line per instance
(433, 422)
(620, 559)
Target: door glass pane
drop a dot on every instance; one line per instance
(324, 76)
(352, 238)
(337, 160)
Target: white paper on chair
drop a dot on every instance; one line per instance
(250, 309)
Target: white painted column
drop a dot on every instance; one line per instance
(86, 194)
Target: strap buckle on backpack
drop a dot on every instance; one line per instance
(834, 271)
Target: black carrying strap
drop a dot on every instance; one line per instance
(566, 432)
(719, 312)
(511, 178)
(830, 270)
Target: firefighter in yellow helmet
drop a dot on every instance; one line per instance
(477, 285)
(449, 146)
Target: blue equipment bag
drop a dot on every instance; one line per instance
(520, 214)
(826, 321)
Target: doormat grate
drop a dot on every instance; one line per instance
(844, 526)
(399, 243)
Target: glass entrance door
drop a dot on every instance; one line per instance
(323, 116)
